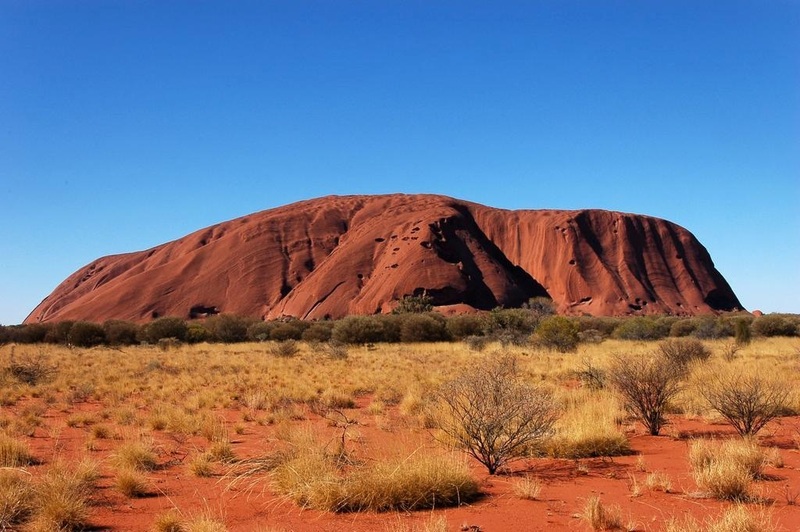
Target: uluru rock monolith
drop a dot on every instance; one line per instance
(340, 255)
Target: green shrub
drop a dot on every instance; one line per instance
(58, 333)
(558, 333)
(500, 322)
(120, 332)
(774, 325)
(260, 331)
(423, 328)
(228, 328)
(359, 330)
(742, 332)
(197, 333)
(464, 325)
(86, 334)
(640, 328)
(33, 333)
(712, 328)
(318, 332)
(288, 330)
(682, 327)
(163, 328)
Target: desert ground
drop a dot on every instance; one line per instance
(262, 436)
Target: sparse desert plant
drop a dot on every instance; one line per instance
(13, 452)
(741, 332)
(527, 488)
(493, 413)
(201, 465)
(747, 400)
(600, 517)
(132, 483)
(646, 384)
(31, 369)
(737, 518)
(204, 522)
(16, 498)
(658, 481)
(138, 455)
(727, 470)
(170, 521)
(62, 497)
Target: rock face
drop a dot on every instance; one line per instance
(334, 256)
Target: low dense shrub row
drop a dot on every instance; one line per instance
(508, 326)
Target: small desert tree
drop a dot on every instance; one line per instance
(493, 413)
(646, 384)
(747, 401)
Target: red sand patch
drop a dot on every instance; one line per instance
(567, 484)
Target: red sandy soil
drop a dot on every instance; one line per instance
(567, 484)
(336, 256)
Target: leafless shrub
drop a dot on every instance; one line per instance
(646, 384)
(31, 369)
(493, 413)
(747, 401)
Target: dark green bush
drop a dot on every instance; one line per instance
(318, 332)
(423, 328)
(464, 325)
(605, 326)
(120, 332)
(513, 320)
(5, 334)
(640, 328)
(741, 331)
(558, 333)
(58, 333)
(287, 330)
(86, 334)
(33, 333)
(197, 333)
(228, 328)
(260, 331)
(162, 328)
(682, 327)
(774, 325)
(359, 330)
(709, 328)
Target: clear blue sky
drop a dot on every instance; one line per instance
(128, 123)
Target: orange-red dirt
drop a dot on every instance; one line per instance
(567, 484)
(334, 256)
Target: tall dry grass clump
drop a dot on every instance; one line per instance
(16, 498)
(313, 479)
(726, 470)
(14, 453)
(600, 517)
(735, 519)
(136, 455)
(62, 497)
(589, 427)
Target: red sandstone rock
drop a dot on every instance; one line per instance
(334, 256)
